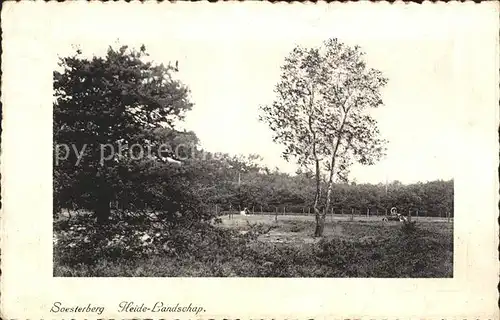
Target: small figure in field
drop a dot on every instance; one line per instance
(244, 212)
(395, 216)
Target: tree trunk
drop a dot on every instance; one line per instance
(330, 186)
(329, 194)
(103, 197)
(332, 163)
(320, 225)
(102, 210)
(320, 219)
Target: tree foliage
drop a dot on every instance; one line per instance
(104, 106)
(321, 116)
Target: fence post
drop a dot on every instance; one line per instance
(367, 212)
(261, 209)
(253, 209)
(284, 210)
(309, 210)
(352, 214)
(230, 210)
(276, 215)
(409, 214)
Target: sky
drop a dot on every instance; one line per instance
(230, 59)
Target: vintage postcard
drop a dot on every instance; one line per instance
(249, 160)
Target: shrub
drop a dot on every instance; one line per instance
(408, 226)
(202, 249)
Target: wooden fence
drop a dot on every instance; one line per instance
(308, 211)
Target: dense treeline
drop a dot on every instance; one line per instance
(243, 184)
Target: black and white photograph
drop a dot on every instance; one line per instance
(249, 140)
(277, 157)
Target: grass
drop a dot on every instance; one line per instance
(259, 246)
(301, 228)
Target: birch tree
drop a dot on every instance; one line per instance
(321, 114)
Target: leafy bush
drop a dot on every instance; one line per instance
(408, 226)
(82, 241)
